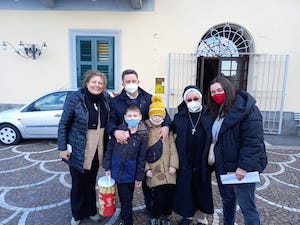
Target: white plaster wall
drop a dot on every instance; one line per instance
(146, 40)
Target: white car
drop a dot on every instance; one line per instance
(38, 119)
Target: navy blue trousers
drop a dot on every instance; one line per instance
(125, 192)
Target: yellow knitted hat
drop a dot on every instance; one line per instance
(156, 107)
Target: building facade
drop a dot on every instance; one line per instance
(170, 43)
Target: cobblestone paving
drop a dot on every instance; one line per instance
(35, 186)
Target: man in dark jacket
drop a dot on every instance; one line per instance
(132, 93)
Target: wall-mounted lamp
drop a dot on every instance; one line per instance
(26, 50)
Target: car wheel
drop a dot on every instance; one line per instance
(9, 135)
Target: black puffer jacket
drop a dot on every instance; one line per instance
(241, 141)
(73, 125)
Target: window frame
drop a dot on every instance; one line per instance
(73, 33)
(94, 62)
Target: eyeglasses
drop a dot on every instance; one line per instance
(192, 99)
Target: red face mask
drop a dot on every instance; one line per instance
(219, 98)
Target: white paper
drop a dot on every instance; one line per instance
(251, 177)
(69, 148)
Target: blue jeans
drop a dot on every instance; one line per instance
(244, 194)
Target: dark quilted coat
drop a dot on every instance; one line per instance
(241, 141)
(73, 125)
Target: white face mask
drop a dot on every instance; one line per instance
(194, 106)
(131, 88)
(155, 123)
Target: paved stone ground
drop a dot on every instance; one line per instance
(35, 186)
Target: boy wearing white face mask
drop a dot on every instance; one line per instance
(126, 163)
(193, 185)
(162, 163)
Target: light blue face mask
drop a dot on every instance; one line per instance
(132, 123)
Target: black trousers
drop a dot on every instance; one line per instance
(83, 193)
(162, 200)
(147, 196)
(125, 192)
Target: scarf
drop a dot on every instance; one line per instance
(93, 104)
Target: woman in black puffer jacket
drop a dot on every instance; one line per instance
(81, 127)
(237, 134)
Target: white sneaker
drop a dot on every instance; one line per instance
(74, 222)
(95, 217)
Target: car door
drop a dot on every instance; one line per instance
(40, 119)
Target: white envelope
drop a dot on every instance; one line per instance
(251, 177)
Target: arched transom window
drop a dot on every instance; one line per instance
(225, 40)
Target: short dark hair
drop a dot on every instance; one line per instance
(133, 107)
(230, 92)
(129, 71)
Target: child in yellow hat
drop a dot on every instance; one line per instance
(162, 163)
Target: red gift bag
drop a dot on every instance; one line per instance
(106, 196)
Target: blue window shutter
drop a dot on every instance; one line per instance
(95, 53)
(83, 57)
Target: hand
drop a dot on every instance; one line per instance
(121, 136)
(172, 170)
(149, 173)
(108, 173)
(138, 184)
(240, 173)
(65, 154)
(164, 133)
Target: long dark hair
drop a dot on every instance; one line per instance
(230, 91)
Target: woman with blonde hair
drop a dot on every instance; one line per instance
(81, 127)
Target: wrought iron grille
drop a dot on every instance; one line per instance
(225, 40)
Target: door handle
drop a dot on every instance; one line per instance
(57, 115)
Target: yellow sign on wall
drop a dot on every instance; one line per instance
(159, 85)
